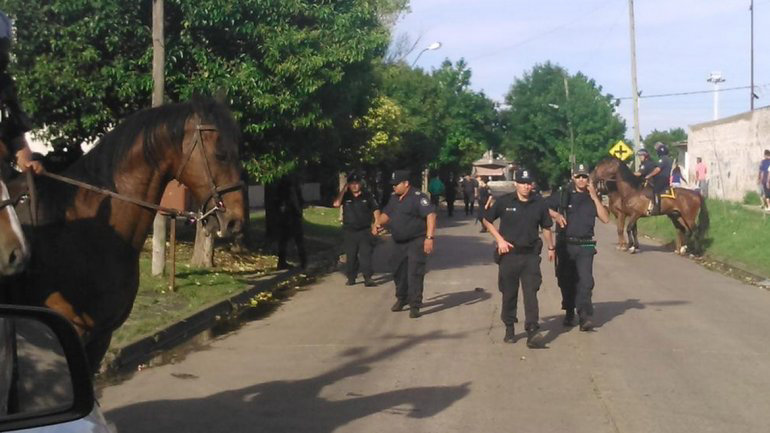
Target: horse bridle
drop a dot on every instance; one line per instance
(190, 217)
(14, 201)
(216, 191)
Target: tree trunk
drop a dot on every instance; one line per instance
(203, 251)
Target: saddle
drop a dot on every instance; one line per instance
(669, 193)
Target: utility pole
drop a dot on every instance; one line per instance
(634, 87)
(569, 126)
(160, 224)
(751, 91)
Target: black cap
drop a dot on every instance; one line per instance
(581, 169)
(523, 175)
(399, 176)
(354, 177)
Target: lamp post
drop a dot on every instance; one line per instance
(432, 47)
(716, 78)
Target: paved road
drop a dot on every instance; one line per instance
(678, 349)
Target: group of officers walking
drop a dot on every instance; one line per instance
(410, 216)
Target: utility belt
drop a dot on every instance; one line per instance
(519, 250)
(570, 240)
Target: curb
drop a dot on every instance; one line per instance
(132, 355)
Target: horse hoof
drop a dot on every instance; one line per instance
(632, 250)
(683, 251)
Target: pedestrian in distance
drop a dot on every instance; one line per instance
(701, 177)
(436, 190)
(450, 193)
(763, 180)
(518, 253)
(289, 204)
(485, 201)
(359, 226)
(411, 219)
(469, 187)
(575, 208)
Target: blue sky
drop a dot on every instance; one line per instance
(678, 43)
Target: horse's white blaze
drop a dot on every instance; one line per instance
(14, 220)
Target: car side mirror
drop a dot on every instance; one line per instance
(44, 374)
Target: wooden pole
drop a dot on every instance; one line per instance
(160, 224)
(634, 87)
(172, 274)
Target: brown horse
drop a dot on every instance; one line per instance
(86, 244)
(14, 249)
(629, 197)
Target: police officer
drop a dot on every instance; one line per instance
(647, 171)
(518, 246)
(578, 206)
(13, 121)
(411, 218)
(359, 214)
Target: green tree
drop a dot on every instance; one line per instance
(673, 135)
(538, 121)
(295, 72)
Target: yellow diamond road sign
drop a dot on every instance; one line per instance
(621, 151)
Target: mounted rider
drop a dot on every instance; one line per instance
(658, 174)
(14, 122)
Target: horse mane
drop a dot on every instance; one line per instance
(156, 127)
(625, 173)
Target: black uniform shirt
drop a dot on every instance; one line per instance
(646, 167)
(580, 213)
(663, 179)
(483, 195)
(358, 212)
(520, 221)
(13, 121)
(469, 186)
(407, 215)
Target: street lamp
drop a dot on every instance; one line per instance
(432, 47)
(716, 78)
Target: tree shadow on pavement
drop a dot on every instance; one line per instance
(604, 312)
(446, 301)
(293, 405)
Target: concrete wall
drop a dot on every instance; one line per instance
(732, 148)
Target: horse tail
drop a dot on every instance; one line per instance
(701, 227)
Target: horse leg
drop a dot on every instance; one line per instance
(633, 238)
(96, 347)
(621, 226)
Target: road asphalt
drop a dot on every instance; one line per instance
(677, 348)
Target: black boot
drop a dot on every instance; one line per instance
(535, 338)
(655, 205)
(509, 334)
(569, 317)
(414, 312)
(351, 281)
(398, 306)
(586, 322)
(369, 282)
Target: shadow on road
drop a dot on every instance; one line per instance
(446, 301)
(293, 406)
(604, 312)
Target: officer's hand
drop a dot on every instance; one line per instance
(551, 255)
(561, 220)
(428, 246)
(504, 247)
(591, 188)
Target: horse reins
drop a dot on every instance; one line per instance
(189, 216)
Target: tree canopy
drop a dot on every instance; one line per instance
(539, 116)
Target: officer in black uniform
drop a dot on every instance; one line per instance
(655, 174)
(575, 209)
(13, 121)
(662, 180)
(518, 246)
(359, 213)
(411, 218)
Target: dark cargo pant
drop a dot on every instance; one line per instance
(574, 273)
(408, 263)
(358, 252)
(525, 269)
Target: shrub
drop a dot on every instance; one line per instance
(752, 197)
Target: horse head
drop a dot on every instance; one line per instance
(209, 165)
(14, 249)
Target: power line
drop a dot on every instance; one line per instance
(696, 92)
